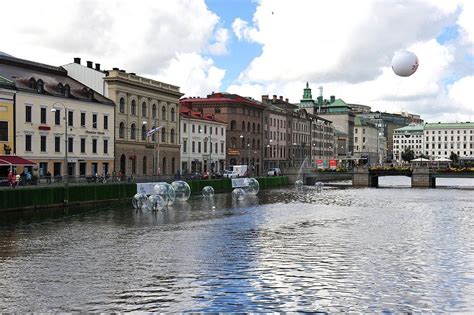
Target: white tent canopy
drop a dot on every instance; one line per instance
(420, 160)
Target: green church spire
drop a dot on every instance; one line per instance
(307, 93)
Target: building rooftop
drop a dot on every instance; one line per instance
(222, 98)
(409, 128)
(191, 114)
(440, 125)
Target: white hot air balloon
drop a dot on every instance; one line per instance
(404, 63)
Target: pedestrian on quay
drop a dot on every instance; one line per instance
(11, 179)
(48, 177)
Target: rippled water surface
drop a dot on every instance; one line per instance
(367, 250)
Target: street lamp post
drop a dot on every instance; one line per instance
(66, 179)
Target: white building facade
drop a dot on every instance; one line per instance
(442, 139)
(409, 137)
(203, 143)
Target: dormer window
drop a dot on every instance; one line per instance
(67, 90)
(32, 83)
(40, 86)
(61, 88)
(90, 93)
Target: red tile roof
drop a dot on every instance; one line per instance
(189, 113)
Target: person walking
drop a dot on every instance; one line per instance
(11, 179)
(48, 177)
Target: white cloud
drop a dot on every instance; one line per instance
(348, 52)
(144, 38)
(197, 74)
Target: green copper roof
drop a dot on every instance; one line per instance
(307, 93)
(6, 82)
(409, 128)
(462, 125)
(338, 102)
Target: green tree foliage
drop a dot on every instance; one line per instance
(408, 155)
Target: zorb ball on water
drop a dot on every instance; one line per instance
(208, 192)
(182, 190)
(238, 194)
(155, 203)
(139, 200)
(166, 191)
(251, 186)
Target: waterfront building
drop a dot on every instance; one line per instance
(366, 140)
(407, 138)
(442, 139)
(7, 136)
(142, 104)
(244, 119)
(57, 116)
(203, 140)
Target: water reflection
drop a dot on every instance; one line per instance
(361, 250)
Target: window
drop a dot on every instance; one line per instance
(193, 147)
(67, 90)
(143, 132)
(43, 115)
(194, 128)
(163, 135)
(144, 109)
(70, 145)
(27, 142)
(28, 113)
(243, 126)
(163, 113)
(199, 147)
(94, 121)
(205, 129)
(184, 128)
(153, 135)
(83, 119)
(106, 146)
(3, 130)
(57, 117)
(153, 111)
(94, 145)
(134, 107)
(106, 122)
(222, 131)
(144, 165)
(233, 124)
(172, 136)
(132, 131)
(122, 105)
(32, 83)
(172, 114)
(222, 147)
(185, 143)
(43, 143)
(57, 144)
(83, 145)
(122, 130)
(70, 118)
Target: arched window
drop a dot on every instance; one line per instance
(253, 127)
(258, 144)
(32, 83)
(163, 168)
(123, 164)
(233, 125)
(61, 88)
(144, 109)
(40, 86)
(67, 90)
(172, 136)
(144, 165)
(248, 126)
(153, 135)
(122, 130)
(122, 105)
(172, 114)
(172, 165)
(133, 110)
(132, 131)
(243, 143)
(153, 111)
(163, 113)
(143, 132)
(243, 126)
(233, 142)
(163, 135)
(253, 144)
(258, 128)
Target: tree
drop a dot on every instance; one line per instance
(408, 155)
(454, 157)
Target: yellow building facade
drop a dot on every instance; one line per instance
(7, 135)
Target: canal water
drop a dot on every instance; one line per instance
(365, 250)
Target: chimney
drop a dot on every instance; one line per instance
(116, 69)
(286, 100)
(264, 98)
(281, 98)
(97, 66)
(123, 71)
(77, 60)
(89, 64)
(274, 97)
(133, 73)
(333, 98)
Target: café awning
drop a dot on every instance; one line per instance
(13, 160)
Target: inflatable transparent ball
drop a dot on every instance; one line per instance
(238, 194)
(299, 184)
(139, 200)
(166, 191)
(182, 190)
(208, 192)
(155, 203)
(251, 186)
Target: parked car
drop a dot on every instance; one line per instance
(230, 174)
(274, 172)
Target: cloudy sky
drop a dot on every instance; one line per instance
(265, 47)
